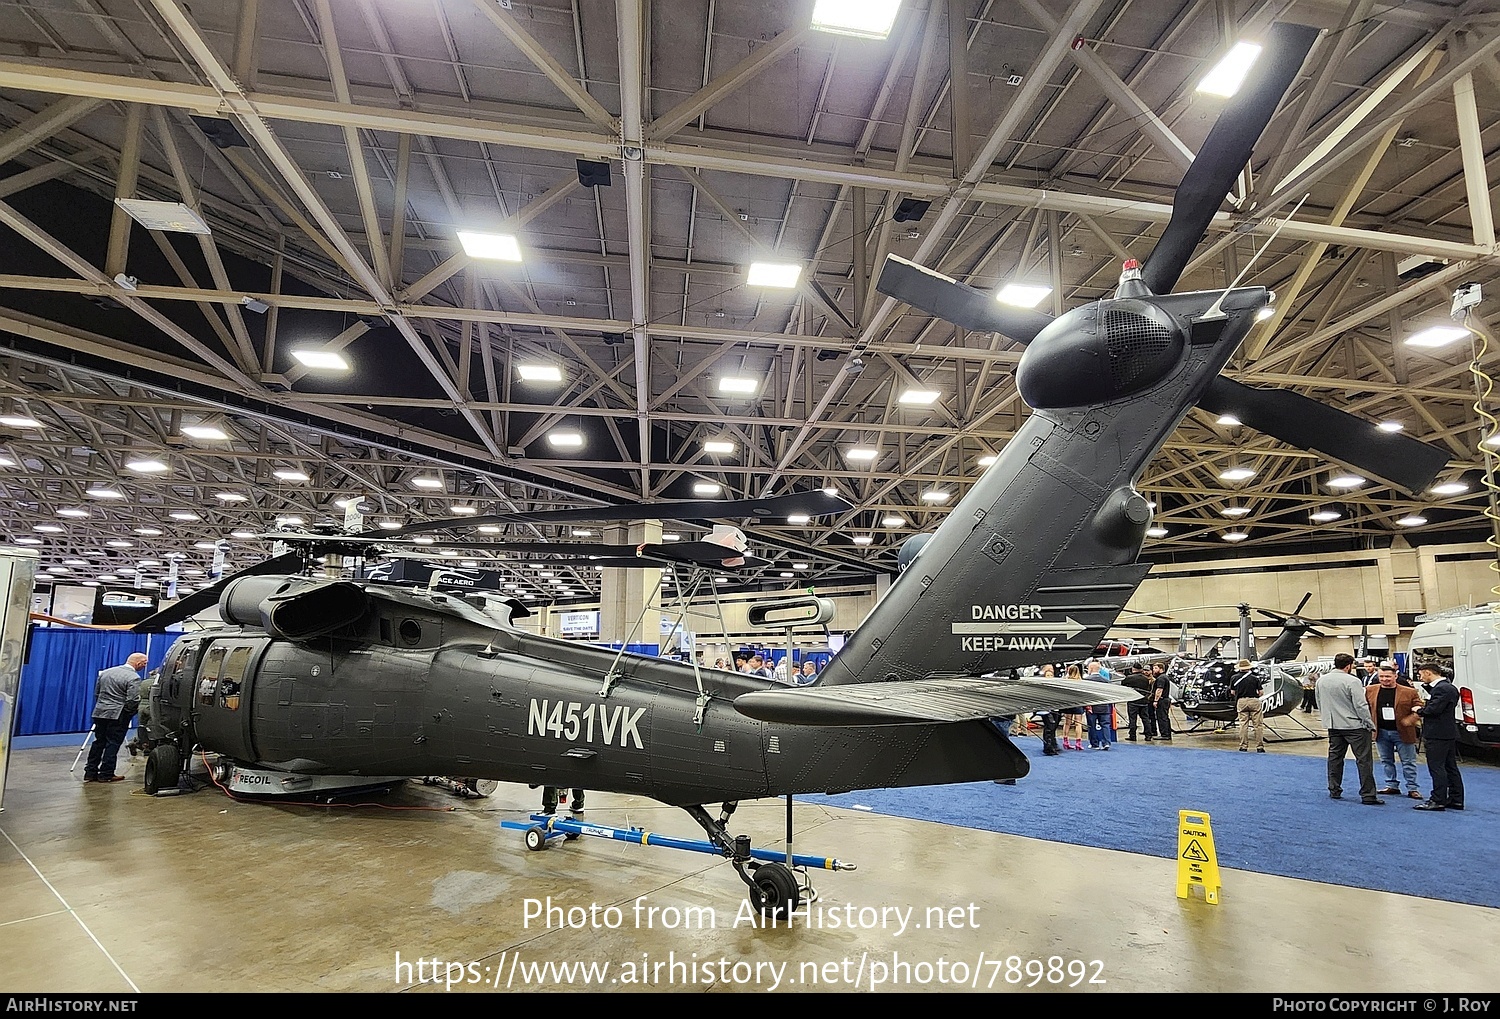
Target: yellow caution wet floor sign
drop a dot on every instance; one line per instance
(1197, 863)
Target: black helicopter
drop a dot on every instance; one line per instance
(1203, 688)
(328, 676)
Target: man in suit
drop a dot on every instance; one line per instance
(1346, 716)
(1394, 708)
(1440, 735)
(115, 704)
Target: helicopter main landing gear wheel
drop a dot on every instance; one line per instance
(774, 891)
(163, 768)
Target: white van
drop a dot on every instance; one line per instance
(1468, 640)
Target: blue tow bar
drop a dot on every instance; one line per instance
(543, 828)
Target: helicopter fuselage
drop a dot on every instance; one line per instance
(1204, 691)
(507, 705)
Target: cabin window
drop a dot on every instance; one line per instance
(233, 677)
(209, 675)
(180, 668)
(411, 632)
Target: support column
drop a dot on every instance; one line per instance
(625, 594)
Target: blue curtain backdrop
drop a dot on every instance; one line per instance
(57, 681)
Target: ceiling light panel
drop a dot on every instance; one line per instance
(539, 372)
(166, 217)
(772, 274)
(322, 360)
(207, 433)
(1022, 295)
(865, 19)
(1226, 77)
(490, 247)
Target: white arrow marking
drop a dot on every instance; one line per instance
(1068, 627)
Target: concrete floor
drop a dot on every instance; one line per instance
(109, 890)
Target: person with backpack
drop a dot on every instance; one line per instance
(1249, 684)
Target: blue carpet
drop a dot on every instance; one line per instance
(53, 739)
(1270, 813)
(62, 739)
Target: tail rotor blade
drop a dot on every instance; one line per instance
(956, 302)
(1225, 152)
(1390, 456)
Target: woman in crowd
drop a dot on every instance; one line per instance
(1073, 728)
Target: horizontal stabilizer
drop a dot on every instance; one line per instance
(1291, 417)
(956, 302)
(924, 701)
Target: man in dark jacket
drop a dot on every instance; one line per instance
(115, 704)
(1248, 686)
(1161, 701)
(1142, 710)
(1440, 736)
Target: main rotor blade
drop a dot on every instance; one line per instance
(1291, 417)
(814, 503)
(956, 302)
(696, 553)
(1225, 152)
(291, 562)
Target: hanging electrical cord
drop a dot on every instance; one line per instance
(1464, 300)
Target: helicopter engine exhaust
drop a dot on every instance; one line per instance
(1121, 522)
(295, 608)
(315, 611)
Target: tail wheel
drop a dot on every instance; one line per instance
(482, 787)
(163, 768)
(774, 891)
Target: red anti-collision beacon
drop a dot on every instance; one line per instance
(1130, 284)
